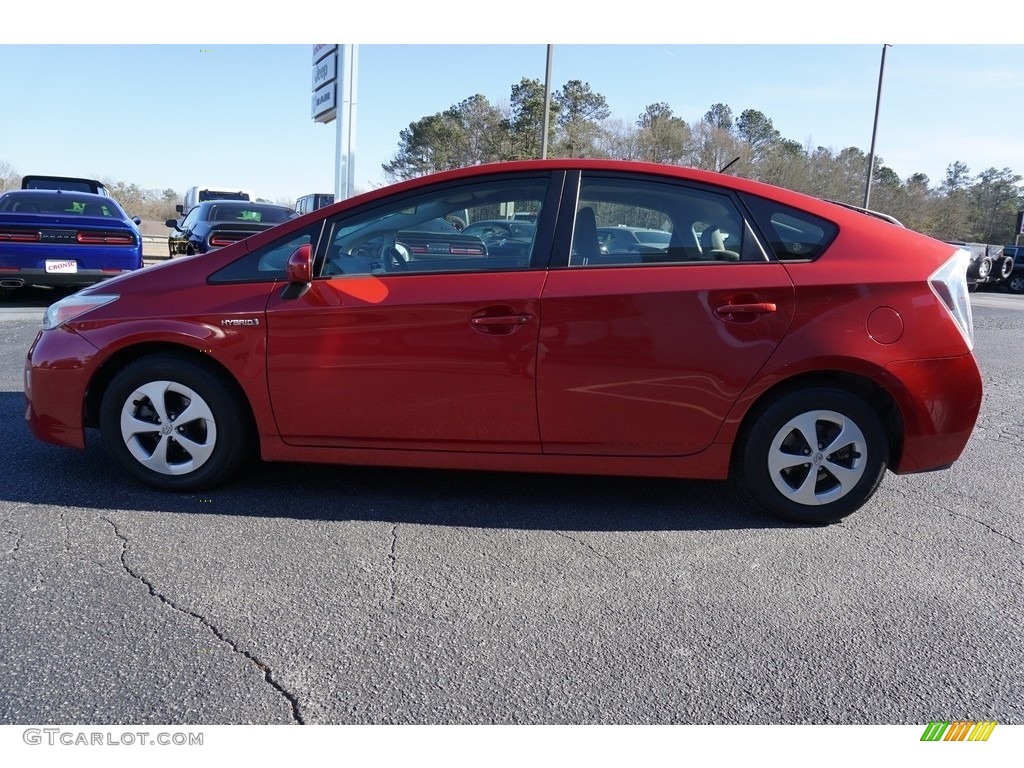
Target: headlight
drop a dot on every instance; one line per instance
(74, 306)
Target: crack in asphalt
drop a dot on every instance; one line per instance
(981, 523)
(67, 532)
(293, 700)
(393, 565)
(17, 542)
(600, 554)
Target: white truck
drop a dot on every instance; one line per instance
(196, 195)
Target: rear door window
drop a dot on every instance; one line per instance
(792, 234)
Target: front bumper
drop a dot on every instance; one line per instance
(57, 372)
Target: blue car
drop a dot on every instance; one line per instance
(61, 238)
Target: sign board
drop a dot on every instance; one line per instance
(1020, 222)
(325, 103)
(334, 78)
(321, 50)
(325, 71)
(325, 86)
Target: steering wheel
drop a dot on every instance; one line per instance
(395, 256)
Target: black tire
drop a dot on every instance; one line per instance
(198, 452)
(984, 267)
(850, 443)
(1005, 267)
(1016, 283)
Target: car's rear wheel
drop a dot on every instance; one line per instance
(174, 423)
(1016, 284)
(814, 455)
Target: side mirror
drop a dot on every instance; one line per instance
(137, 220)
(179, 208)
(172, 223)
(300, 265)
(299, 272)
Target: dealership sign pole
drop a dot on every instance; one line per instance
(335, 74)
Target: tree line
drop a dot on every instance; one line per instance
(962, 206)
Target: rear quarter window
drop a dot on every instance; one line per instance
(793, 235)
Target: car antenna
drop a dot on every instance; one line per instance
(729, 165)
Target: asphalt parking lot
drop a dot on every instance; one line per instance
(310, 594)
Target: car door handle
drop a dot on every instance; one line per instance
(757, 308)
(499, 323)
(501, 320)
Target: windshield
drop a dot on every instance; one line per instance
(61, 204)
(266, 214)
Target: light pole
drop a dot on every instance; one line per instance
(547, 106)
(874, 130)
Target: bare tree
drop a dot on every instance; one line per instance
(9, 178)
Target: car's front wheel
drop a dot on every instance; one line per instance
(1016, 284)
(815, 455)
(173, 422)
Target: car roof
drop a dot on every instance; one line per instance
(517, 222)
(240, 204)
(53, 192)
(105, 199)
(625, 228)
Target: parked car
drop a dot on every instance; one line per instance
(1015, 280)
(216, 223)
(806, 367)
(65, 183)
(624, 239)
(309, 203)
(504, 237)
(58, 238)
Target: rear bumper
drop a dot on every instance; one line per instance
(939, 401)
(9, 278)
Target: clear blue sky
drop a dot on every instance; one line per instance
(173, 115)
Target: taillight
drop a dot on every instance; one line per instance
(949, 284)
(104, 238)
(219, 241)
(18, 236)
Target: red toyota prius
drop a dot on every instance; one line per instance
(800, 345)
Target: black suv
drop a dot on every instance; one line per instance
(1015, 281)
